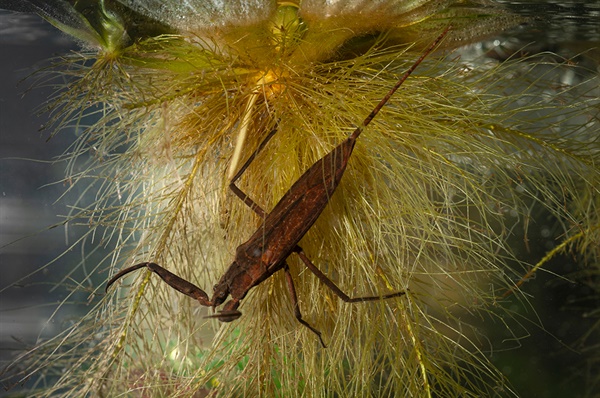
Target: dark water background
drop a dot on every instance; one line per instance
(548, 363)
(30, 189)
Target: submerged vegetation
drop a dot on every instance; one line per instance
(171, 100)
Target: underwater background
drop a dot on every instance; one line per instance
(553, 360)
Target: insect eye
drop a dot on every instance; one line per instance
(219, 299)
(220, 293)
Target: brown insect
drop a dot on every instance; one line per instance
(282, 229)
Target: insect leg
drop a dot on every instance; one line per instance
(336, 289)
(123, 272)
(176, 282)
(229, 312)
(292, 289)
(241, 194)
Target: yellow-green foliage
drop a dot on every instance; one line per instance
(436, 185)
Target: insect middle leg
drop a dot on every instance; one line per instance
(330, 284)
(297, 313)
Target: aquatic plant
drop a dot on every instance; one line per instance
(172, 97)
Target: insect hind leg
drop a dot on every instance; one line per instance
(241, 194)
(334, 288)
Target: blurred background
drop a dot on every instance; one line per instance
(34, 258)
